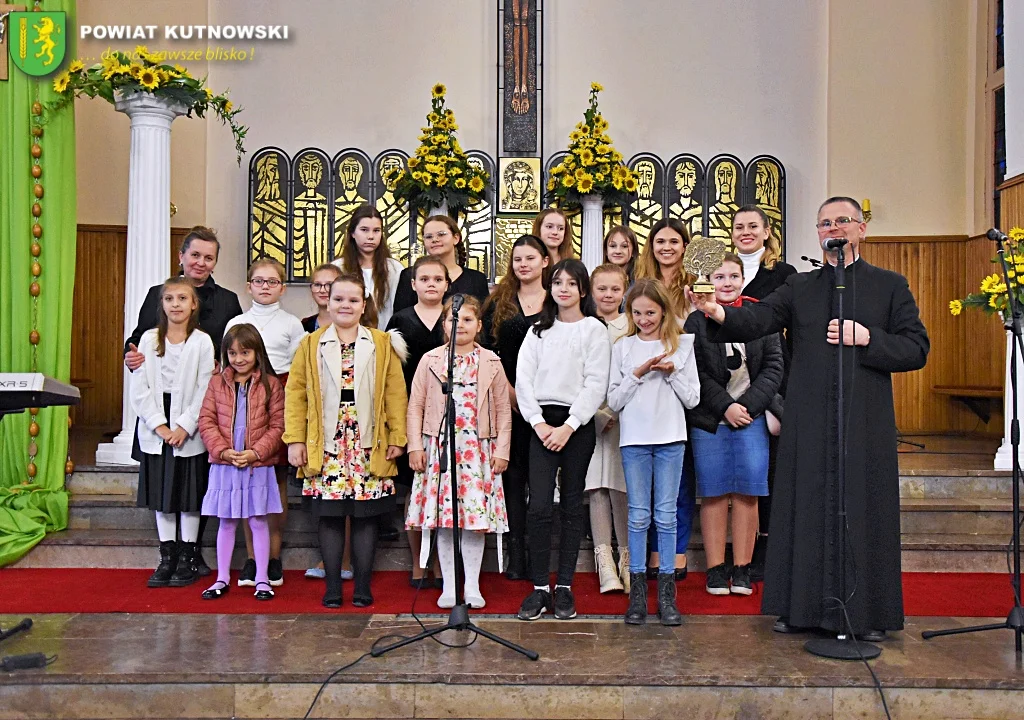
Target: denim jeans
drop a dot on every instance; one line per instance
(660, 466)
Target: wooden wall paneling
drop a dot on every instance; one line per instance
(98, 326)
(1011, 203)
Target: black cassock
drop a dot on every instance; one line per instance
(801, 570)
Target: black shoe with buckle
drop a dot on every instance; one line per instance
(185, 574)
(565, 604)
(535, 604)
(161, 577)
(264, 591)
(216, 591)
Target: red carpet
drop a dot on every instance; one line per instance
(46, 590)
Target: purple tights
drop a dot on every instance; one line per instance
(226, 546)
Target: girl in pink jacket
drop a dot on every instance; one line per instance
(483, 433)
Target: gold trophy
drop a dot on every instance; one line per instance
(702, 257)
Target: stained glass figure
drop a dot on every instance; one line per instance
(268, 216)
(726, 172)
(685, 192)
(351, 189)
(396, 214)
(310, 230)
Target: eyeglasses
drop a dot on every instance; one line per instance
(841, 220)
(322, 286)
(269, 282)
(439, 235)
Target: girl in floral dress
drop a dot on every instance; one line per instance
(483, 433)
(345, 407)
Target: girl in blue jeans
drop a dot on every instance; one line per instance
(652, 380)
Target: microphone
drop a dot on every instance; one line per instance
(457, 300)
(996, 235)
(812, 261)
(834, 243)
(23, 662)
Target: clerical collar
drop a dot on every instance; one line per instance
(830, 260)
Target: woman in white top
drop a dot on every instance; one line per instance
(366, 253)
(166, 392)
(561, 380)
(653, 379)
(606, 485)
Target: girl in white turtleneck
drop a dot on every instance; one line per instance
(281, 332)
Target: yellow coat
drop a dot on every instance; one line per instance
(304, 405)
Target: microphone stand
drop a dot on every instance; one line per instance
(458, 619)
(843, 647)
(1015, 620)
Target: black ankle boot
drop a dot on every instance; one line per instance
(636, 614)
(186, 573)
(667, 610)
(516, 569)
(161, 577)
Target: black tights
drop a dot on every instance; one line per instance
(332, 546)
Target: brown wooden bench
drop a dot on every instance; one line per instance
(976, 397)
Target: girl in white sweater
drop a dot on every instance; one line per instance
(167, 393)
(561, 380)
(281, 333)
(653, 379)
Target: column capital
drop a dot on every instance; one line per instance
(148, 104)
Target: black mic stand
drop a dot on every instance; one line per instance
(459, 617)
(843, 647)
(1015, 619)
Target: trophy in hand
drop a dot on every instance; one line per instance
(702, 257)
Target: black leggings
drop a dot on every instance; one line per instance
(515, 479)
(573, 460)
(331, 530)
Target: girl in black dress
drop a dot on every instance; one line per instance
(443, 240)
(763, 273)
(508, 315)
(422, 328)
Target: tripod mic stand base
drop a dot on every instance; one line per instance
(847, 649)
(458, 619)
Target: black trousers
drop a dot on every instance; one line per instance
(515, 479)
(573, 460)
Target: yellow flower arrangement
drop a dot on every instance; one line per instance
(439, 171)
(592, 164)
(993, 295)
(122, 74)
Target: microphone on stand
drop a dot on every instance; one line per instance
(457, 300)
(812, 261)
(834, 243)
(996, 235)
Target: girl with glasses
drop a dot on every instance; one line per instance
(442, 239)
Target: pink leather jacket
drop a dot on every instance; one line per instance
(426, 401)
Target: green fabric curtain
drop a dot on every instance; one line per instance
(29, 511)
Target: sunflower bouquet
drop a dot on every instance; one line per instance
(439, 171)
(122, 74)
(992, 295)
(592, 165)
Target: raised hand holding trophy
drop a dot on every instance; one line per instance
(702, 257)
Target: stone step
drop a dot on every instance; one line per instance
(137, 548)
(937, 516)
(122, 480)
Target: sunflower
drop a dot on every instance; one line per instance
(587, 156)
(426, 180)
(227, 106)
(629, 184)
(60, 83)
(413, 162)
(568, 181)
(135, 70)
(439, 90)
(460, 182)
(580, 173)
(596, 87)
(552, 184)
(76, 66)
(599, 177)
(476, 184)
(989, 283)
(416, 175)
(455, 170)
(180, 70)
(109, 62)
(586, 184)
(209, 93)
(575, 136)
(955, 307)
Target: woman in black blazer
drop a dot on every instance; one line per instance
(763, 273)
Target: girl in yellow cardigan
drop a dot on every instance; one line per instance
(345, 408)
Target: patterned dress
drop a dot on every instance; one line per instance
(344, 485)
(481, 498)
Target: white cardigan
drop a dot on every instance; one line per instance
(605, 469)
(190, 380)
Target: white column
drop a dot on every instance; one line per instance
(1013, 81)
(593, 230)
(149, 232)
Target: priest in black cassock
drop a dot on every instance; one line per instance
(882, 334)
